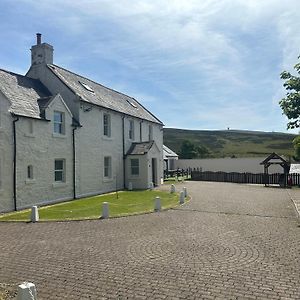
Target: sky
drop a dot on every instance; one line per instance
(206, 64)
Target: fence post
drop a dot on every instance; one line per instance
(105, 210)
(172, 188)
(34, 214)
(26, 291)
(157, 205)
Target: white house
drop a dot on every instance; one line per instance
(64, 136)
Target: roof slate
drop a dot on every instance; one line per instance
(140, 148)
(23, 93)
(168, 153)
(100, 95)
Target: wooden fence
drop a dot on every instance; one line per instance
(261, 178)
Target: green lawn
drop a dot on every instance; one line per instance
(120, 204)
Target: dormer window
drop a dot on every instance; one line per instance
(87, 87)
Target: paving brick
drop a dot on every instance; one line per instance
(229, 242)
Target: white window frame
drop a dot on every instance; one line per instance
(107, 125)
(61, 171)
(135, 167)
(58, 123)
(131, 130)
(107, 170)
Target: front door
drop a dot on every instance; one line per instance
(154, 172)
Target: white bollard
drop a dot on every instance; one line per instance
(34, 214)
(151, 186)
(185, 192)
(157, 206)
(129, 186)
(26, 291)
(105, 210)
(172, 188)
(181, 197)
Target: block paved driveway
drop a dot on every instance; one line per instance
(229, 242)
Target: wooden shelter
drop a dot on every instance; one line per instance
(275, 159)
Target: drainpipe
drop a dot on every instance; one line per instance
(15, 163)
(74, 161)
(123, 140)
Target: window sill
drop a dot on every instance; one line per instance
(134, 176)
(59, 184)
(30, 135)
(106, 179)
(57, 135)
(107, 138)
(30, 181)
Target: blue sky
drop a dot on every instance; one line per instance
(206, 64)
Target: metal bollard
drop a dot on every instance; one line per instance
(172, 188)
(151, 186)
(185, 192)
(181, 197)
(105, 210)
(34, 214)
(157, 206)
(26, 291)
(129, 186)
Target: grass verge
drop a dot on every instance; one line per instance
(120, 204)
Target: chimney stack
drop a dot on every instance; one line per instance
(41, 53)
(38, 38)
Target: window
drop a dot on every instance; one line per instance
(131, 129)
(30, 126)
(107, 167)
(150, 134)
(87, 87)
(135, 166)
(30, 172)
(59, 122)
(106, 125)
(59, 170)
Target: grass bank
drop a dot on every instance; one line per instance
(120, 204)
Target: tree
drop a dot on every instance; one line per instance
(291, 103)
(190, 150)
(296, 143)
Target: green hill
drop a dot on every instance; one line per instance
(226, 143)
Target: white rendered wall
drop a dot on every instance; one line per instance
(40, 149)
(241, 165)
(6, 156)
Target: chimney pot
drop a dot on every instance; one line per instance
(38, 38)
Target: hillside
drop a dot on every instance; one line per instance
(225, 143)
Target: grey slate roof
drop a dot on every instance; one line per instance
(95, 93)
(23, 93)
(140, 148)
(168, 153)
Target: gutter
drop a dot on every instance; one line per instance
(15, 162)
(123, 142)
(75, 127)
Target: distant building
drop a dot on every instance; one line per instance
(169, 158)
(64, 136)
